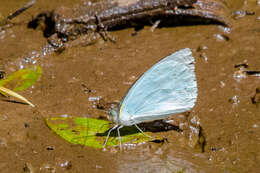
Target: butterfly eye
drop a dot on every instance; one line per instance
(112, 116)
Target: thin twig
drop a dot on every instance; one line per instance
(155, 25)
(19, 11)
(102, 30)
(16, 13)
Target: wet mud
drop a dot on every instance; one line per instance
(220, 134)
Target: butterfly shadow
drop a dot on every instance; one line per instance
(154, 127)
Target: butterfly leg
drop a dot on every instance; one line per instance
(109, 134)
(119, 138)
(142, 131)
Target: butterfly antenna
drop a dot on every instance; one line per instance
(119, 138)
(142, 131)
(109, 134)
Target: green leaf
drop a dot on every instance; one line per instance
(92, 132)
(22, 79)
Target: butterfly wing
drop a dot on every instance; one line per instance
(169, 87)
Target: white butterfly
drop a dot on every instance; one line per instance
(169, 87)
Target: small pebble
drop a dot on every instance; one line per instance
(66, 165)
(50, 148)
(242, 13)
(240, 74)
(134, 33)
(213, 149)
(28, 168)
(204, 56)
(234, 100)
(85, 89)
(92, 99)
(226, 30)
(221, 37)
(47, 168)
(195, 120)
(201, 48)
(26, 125)
(98, 166)
(64, 115)
(222, 84)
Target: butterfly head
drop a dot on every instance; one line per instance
(113, 115)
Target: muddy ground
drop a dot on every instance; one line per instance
(229, 119)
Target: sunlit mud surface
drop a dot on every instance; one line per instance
(227, 109)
